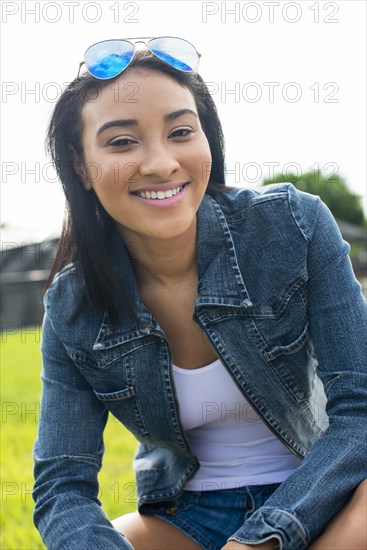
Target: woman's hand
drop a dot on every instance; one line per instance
(233, 545)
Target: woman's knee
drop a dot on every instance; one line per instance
(347, 529)
(152, 533)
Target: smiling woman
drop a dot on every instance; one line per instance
(82, 236)
(159, 151)
(218, 325)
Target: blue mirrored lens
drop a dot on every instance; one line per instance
(110, 66)
(109, 58)
(177, 52)
(174, 62)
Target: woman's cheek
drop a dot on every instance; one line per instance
(110, 174)
(202, 159)
(126, 171)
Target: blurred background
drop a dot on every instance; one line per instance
(289, 82)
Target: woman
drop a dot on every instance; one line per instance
(198, 316)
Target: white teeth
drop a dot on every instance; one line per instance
(159, 194)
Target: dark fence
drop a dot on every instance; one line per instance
(24, 272)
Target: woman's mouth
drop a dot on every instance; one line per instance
(162, 198)
(159, 195)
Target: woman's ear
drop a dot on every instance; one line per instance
(79, 168)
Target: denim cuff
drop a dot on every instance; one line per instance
(269, 523)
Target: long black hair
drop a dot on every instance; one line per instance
(87, 227)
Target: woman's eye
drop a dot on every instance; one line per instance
(181, 132)
(122, 142)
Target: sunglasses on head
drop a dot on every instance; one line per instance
(110, 58)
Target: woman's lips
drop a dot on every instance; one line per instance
(160, 198)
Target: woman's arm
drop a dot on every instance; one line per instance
(68, 455)
(304, 504)
(346, 529)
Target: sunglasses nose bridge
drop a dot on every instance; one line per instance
(139, 44)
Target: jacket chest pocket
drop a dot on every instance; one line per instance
(286, 347)
(295, 364)
(113, 380)
(124, 405)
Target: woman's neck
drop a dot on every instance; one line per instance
(160, 262)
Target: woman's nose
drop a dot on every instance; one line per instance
(159, 161)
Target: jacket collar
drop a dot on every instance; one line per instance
(220, 280)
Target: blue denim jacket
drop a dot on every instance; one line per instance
(279, 303)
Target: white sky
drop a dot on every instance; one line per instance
(309, 55)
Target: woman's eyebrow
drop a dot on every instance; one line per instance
(176, 114)
(120, 122)
(133, 122)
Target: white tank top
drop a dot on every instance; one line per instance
(233, 445)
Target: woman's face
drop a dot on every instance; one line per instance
(147, 157)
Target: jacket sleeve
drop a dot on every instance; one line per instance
(336, 464)
(67, 457)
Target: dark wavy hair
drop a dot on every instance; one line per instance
(87, 226)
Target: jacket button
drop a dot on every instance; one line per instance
(171, 510)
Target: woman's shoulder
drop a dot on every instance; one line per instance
(302, 207)
(71, 268)
(273, 191)
(68, 274)
(65, 290)
(68, 311)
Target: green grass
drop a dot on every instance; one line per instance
(20, 395)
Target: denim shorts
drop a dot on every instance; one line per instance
(209, 518)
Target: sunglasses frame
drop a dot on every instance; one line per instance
(137, 40)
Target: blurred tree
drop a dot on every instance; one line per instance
(333, 191)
